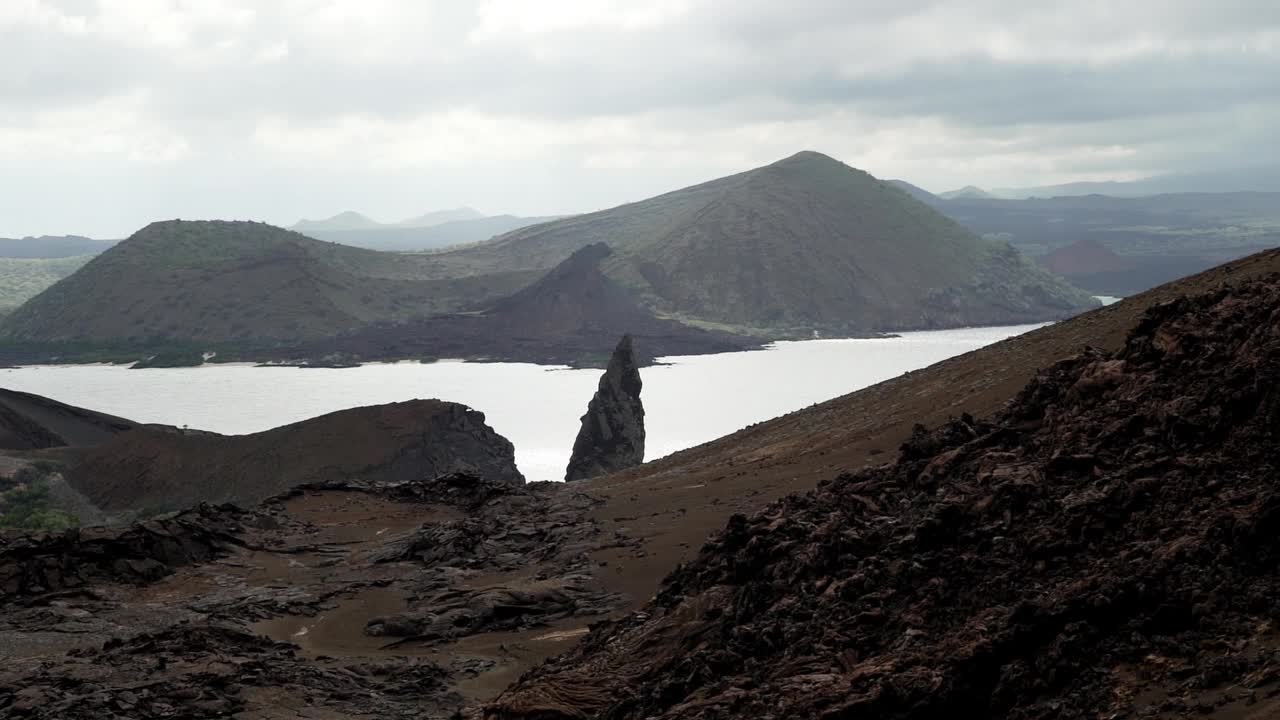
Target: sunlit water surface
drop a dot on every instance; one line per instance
(687, 402)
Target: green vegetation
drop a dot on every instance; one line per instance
(23, 278)
(27, 505)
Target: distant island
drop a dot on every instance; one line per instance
(802, 246)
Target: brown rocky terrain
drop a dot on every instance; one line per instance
(308, 568)
(343, 599)
(163, 469)
(1104, 546)
(31, 422)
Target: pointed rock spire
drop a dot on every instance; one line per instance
(612, 433)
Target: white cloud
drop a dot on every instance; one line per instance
(116, 129)
(501, 19)
(559, 105)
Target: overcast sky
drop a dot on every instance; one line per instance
(114, 113)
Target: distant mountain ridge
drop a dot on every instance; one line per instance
(806, 243)
(351, 220)
(1263, 178)
(348, 220)
(52, 246)
(439, 217)
(968, 192)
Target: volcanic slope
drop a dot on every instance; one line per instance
(805, 243)
(32, 422)
(1104, 546)
(170, 470)
(573, 314)
(677, 500)
(216, 282)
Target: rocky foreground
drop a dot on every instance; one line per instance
(328, 601)
(1105, 546)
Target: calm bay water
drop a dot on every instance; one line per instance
(688, 402)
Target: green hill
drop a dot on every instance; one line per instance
(805, 243)
(23, 278)
(219, 282)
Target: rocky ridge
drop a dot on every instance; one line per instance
(384, 443)
(32, 422)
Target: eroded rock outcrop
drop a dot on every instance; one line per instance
(612, 433)
(396, 442)
(49, 562)
(1106, 546)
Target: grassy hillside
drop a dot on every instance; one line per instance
(218, 282)
(804, 243)
(23, 278)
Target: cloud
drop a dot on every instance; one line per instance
(135, 109)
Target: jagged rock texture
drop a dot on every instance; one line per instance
(1107, 546)
(612, 433)
(206, 671)
(50, 562)
(163, 619)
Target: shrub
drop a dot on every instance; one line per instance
(28, 508)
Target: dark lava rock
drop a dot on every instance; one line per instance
(209, 671)
(454, 613)
(505, 529)
(1105, 547)
(49, 562)
(612, 434)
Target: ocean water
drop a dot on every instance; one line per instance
(688, 401)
